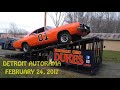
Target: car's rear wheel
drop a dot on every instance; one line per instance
(64, 37)
(26, 47)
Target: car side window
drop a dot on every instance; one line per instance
(47, 28)
(40, 30)
(35, 32)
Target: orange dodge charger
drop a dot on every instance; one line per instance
(46, 36)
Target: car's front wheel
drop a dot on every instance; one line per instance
(64, 37)
(26, 47)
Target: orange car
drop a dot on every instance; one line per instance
(49, 35)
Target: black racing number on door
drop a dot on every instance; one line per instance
(40, 37)
(46, 38)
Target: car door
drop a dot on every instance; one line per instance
(33, 38)
(42, 36)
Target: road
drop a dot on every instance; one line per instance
(108, 70)
(4, 52)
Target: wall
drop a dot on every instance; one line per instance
(4, 35)
(112, 45)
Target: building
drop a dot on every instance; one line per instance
(111, 40)
(4, 35)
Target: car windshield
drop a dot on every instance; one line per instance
(49, 27)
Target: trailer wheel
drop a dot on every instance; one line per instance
(26, 47)
(64, 37)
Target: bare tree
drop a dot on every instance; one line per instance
(100, 22)
(13, 29)
(96, 22)
(118, 23)
(5, 30)
(69, 17)
(22, 32)
(74, 16)
(57, 18)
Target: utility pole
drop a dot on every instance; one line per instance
(45, 18)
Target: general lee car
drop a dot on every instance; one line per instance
(48, 35)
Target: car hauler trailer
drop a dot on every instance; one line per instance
(82, 55)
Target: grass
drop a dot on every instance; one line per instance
(111, 56)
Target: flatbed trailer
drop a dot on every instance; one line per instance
(91, 50)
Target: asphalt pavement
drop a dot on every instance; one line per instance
(109, 70)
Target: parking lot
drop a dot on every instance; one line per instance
(108, 69)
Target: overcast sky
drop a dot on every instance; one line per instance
(25, 20)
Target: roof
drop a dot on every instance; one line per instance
(105, 36)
